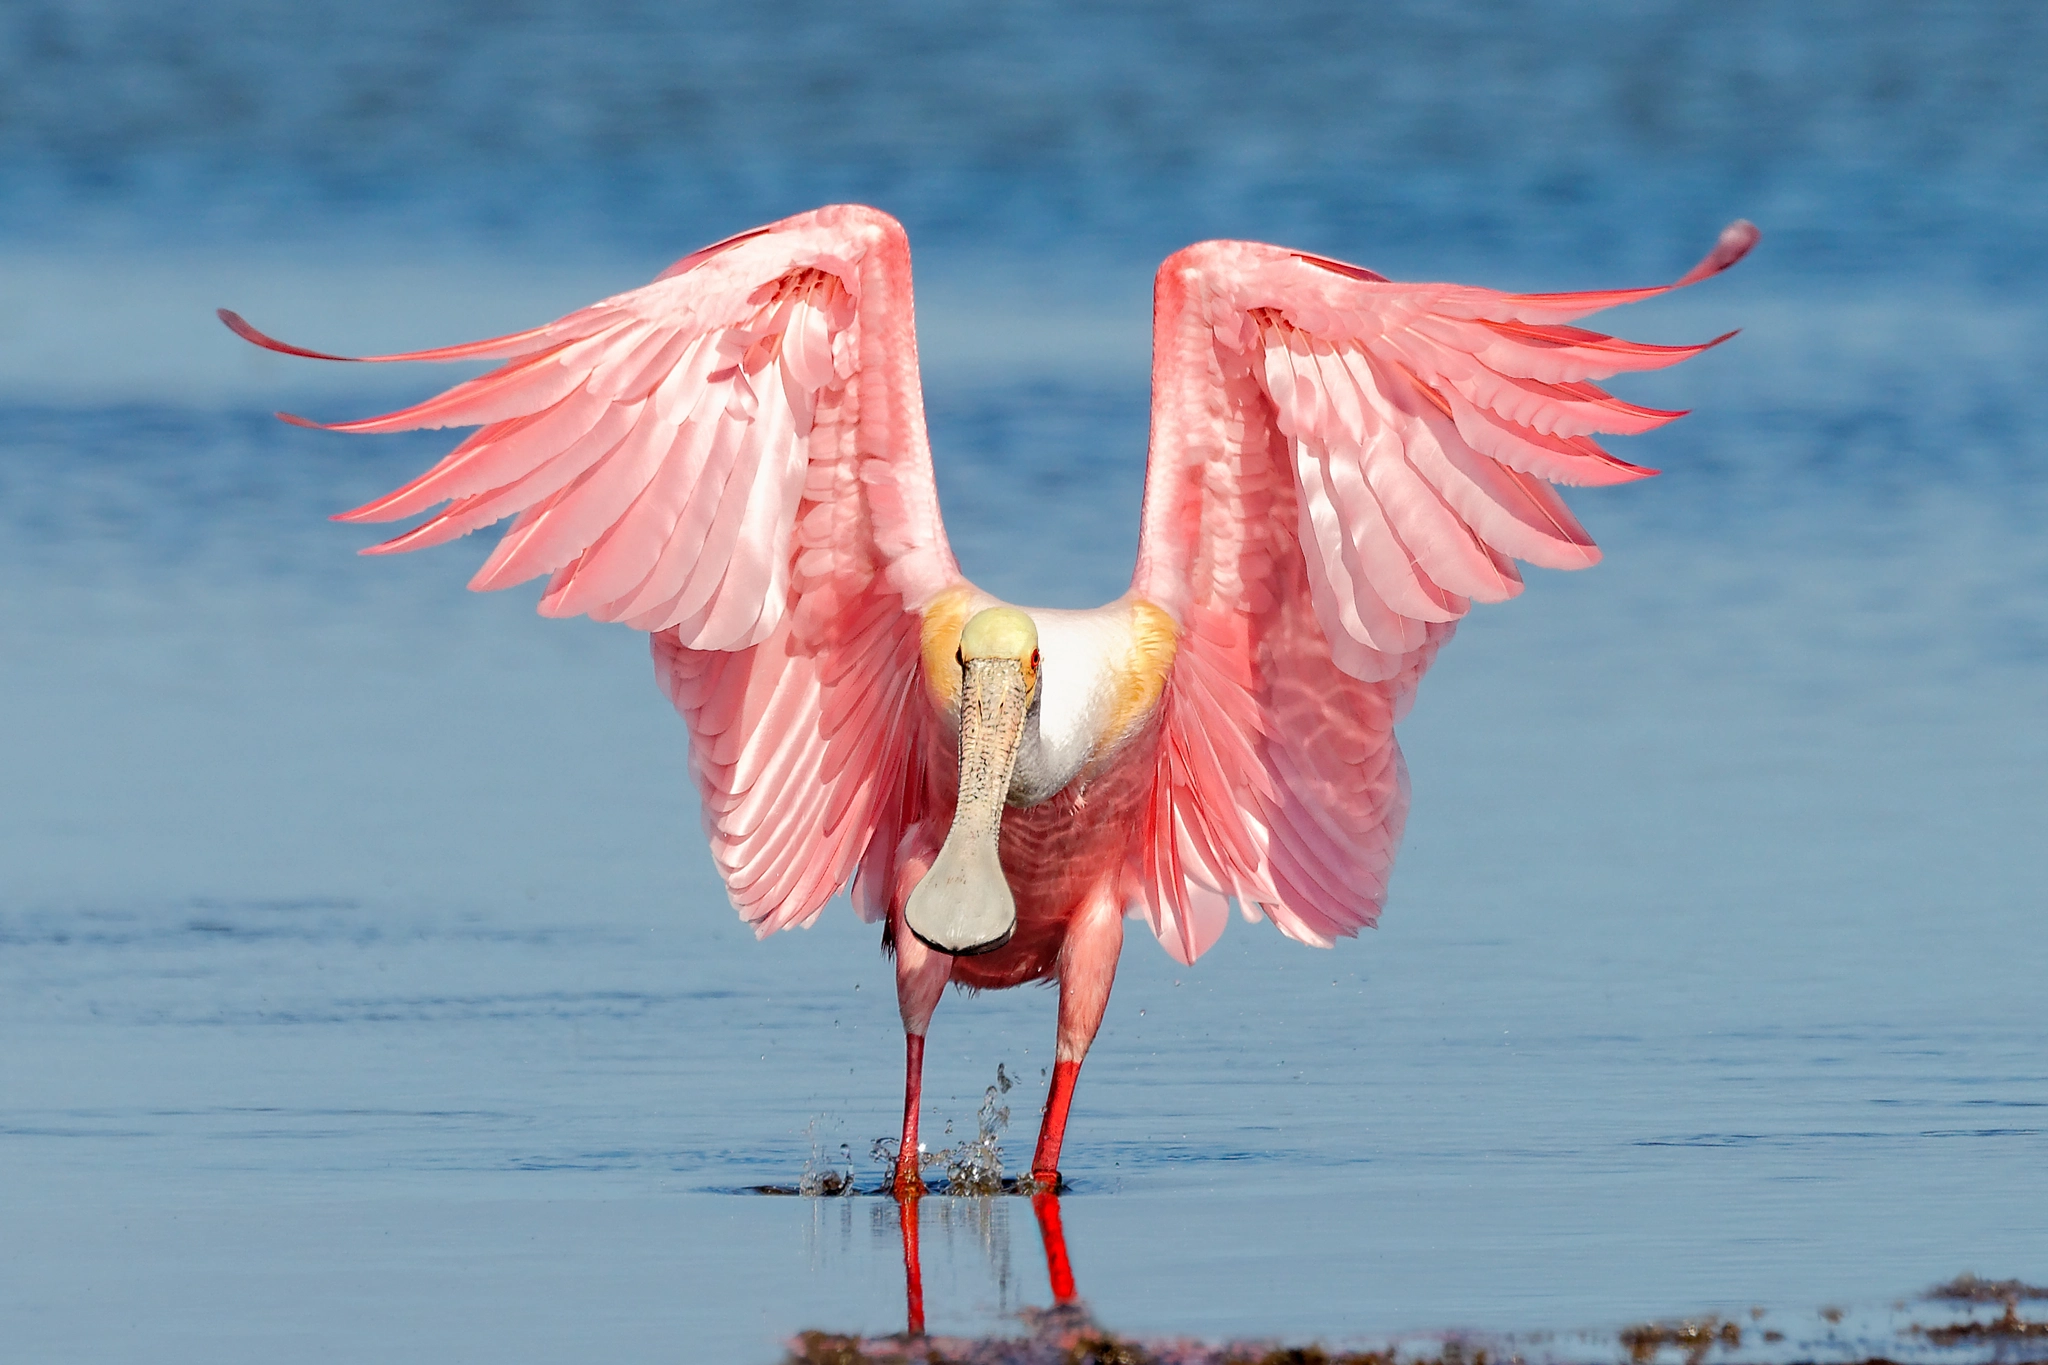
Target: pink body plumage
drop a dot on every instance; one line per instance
(733, 458)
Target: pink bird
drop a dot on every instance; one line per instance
(733, 459)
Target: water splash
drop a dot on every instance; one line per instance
(974, 1167)
(823, 1176)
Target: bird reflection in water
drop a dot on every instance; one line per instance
(1045, 1206)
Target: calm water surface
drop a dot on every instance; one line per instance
(368, 990)
(365, 987)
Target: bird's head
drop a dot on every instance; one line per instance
(963, 905)
(1000, 643)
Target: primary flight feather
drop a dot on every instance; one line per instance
(733, 458)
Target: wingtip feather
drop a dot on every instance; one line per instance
(470, 350)
(417, 538)
(703, 254)
(1344, 268)
(1731, 246)
(239, 325)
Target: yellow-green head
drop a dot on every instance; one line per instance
(1002, 633)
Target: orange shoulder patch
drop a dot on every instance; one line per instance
(1154, 642)
(944, 618)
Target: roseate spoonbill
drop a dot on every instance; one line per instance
(733, 458)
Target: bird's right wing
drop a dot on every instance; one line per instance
(1340, 466)
(734, 459)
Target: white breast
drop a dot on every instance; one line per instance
(1083, 653)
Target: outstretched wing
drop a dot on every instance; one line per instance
(733, 458)
(1340, 467)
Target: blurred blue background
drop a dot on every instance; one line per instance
(1876, 137)
(366, 987)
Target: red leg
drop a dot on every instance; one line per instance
(908, 1184)
(913, 1269)
(1052, 1131)
(1046, 1205)
(921, 977)
(1087, 970)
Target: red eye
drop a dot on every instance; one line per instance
(1034, 661)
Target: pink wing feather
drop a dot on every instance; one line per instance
(1340, 466)
(733, 458)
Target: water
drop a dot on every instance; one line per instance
(367, 991)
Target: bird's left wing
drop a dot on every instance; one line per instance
(734, 459)
(1340, 466)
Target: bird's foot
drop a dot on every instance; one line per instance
(908, 1184)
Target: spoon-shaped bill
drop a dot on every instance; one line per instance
(963, 905)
